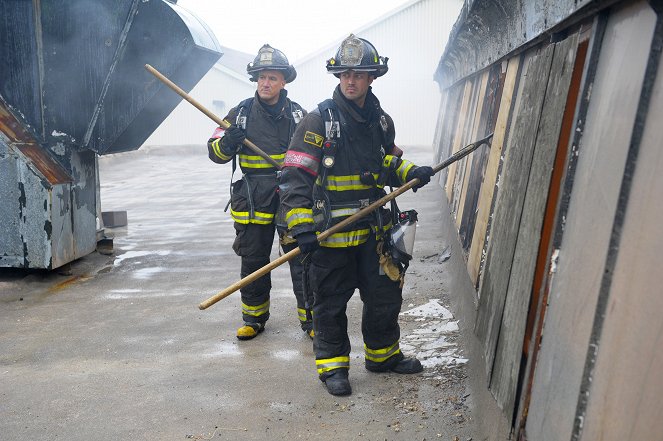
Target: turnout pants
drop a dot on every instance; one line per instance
(253, 243)
(334, 275)
(300, 285)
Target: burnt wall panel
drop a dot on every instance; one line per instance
(577, 271)
(487, 31)
(506, 372)
(510, 199)
(459, 134)
(488, 186)
(485, 126)
(465, 169)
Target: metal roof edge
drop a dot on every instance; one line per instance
(474, 45)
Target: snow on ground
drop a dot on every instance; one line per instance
(435, 342)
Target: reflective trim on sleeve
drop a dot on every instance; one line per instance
(244, 217)
(306, 162)
(346, 239)
(403, 169)
(329, 364)
(255, 161)
(388, 159)
(217, 150)
(298, 216)
(255, 311)
(381, 355)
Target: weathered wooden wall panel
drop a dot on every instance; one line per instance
(553, 211)
(575, 285)
(447, 122)
(510, 198)
(625, 400)
(506, 371)
(466, 166)
(490, 177)
(456, 180)
(480, 157)
(459, 135)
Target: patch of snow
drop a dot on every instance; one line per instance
(433, 343)
(134, 254)
(430, 309)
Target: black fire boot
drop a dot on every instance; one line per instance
(398, 364)
(337, 382)
(407, 366)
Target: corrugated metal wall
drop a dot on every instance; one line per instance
(413, 39)
(218, 91)
(556, 223)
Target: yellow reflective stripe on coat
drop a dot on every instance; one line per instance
(255, 161)
(342, 212)
(298, 216)
(217, 150)
(380, 355)
(328, 364)
(244, 217)
(345, 183)
(402, 170)
(346, 239)
(255, 311)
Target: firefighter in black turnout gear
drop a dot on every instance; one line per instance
(339, 160)
(268, 119)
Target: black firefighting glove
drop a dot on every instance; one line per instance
(307, 241)
(234, 136)
(424, 174)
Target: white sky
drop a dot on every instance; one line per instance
(297, 27)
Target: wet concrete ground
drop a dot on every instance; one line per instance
(115, 348)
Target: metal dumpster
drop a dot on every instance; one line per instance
(74, 87)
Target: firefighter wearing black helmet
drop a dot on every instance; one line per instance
(268, 119)
(339, 160)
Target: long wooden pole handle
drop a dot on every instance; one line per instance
(209, 114)
(339, 226)
(250, 278)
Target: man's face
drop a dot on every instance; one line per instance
(354, 86)
(270, 83)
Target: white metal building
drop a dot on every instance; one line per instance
(413, 36)
(224, 86)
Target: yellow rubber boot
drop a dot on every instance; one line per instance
(250, 330)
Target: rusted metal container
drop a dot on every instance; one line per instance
(74, 86)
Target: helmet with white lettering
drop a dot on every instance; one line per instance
(359, 55)
(269, 58)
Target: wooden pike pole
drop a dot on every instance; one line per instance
(209, 114)
(339, 226)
